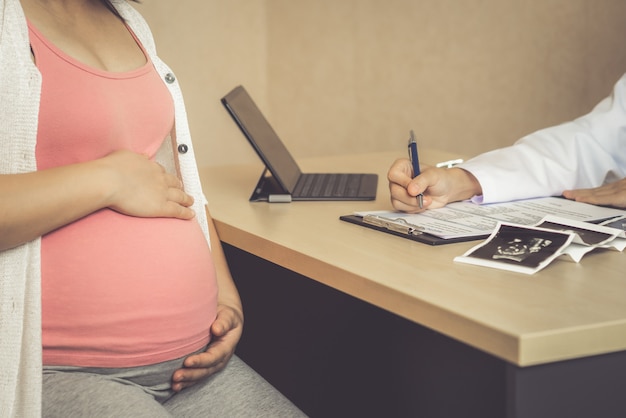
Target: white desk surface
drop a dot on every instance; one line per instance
(565, 311)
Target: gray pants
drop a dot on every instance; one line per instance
(236, 391)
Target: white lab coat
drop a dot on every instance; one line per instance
(587, 152)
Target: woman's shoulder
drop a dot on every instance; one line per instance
(137, 23)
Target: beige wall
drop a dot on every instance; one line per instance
(212, 46)
(338, 75)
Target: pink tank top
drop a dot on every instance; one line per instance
(117, 291)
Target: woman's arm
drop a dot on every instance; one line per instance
(226, 330)
(228, 293)
(33, 204)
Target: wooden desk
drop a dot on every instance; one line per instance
(564, 312)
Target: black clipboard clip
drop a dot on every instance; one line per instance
(396, 225)
(401, 228)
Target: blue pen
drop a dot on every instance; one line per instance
(415, 163)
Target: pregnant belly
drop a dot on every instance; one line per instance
(119, 291)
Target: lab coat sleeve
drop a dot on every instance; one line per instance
(584, 153)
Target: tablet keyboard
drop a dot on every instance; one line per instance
(320, 185)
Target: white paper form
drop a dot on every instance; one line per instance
(467, 219)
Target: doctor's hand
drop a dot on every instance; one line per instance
(439, 186)
(226, 331)
(612, 194)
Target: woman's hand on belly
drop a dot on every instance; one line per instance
(35, 203)
(144, 189)
(226, 331)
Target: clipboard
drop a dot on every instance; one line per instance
(404, 230)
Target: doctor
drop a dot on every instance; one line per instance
(583, 160)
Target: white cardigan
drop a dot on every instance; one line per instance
(583, 153)
(20, 275)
